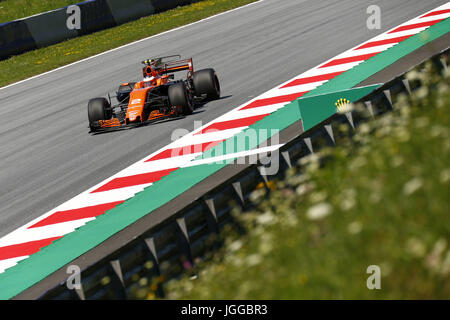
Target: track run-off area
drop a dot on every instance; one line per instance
(55, 177)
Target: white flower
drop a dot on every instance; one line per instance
(314, 157)
(412, 186)
(143, 282)
(412, 75)
(236, 261)
(266, 218)
(434, 258)
(319, 211)
(290, 219)
(437, 131)
(347, 199)
(422, 92)
(445, 176)
(302, 189)
(386, 268)
(347, 204)
(298, 179)
(358, 162)
(318, 196)
(439, 246)
(446, 264)
(415, 247)
(364, 128)
(446, 73)
(396, 161)
(266, 244)
(254, 259)
(355, 227)
(235, 246)
(257, 195)
(403, 134)
(375, 197)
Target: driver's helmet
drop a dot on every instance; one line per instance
(148, 76)
(148, 71)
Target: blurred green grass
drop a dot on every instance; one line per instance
(16, 9)
(41, 60)
(381, 198)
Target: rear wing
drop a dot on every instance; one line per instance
(169, 66)
(178, 65)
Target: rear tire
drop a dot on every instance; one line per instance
(207, 82)
(179, 96)
(98, 109)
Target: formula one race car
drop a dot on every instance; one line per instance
(158, 96)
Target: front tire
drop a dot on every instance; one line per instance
(207, 82)
(179, 96)
(98, 109)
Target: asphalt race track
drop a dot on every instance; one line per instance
(47, 155)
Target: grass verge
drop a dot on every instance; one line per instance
(380, 198)
(48, 58)
(16, 9)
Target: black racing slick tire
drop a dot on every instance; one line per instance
(98, 109)
(179, 96)
(207, 82)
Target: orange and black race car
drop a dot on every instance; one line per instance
(158, 96)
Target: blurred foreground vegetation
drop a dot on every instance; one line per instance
(381, 198)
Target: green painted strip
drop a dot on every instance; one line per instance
(62, 251)
(311, 110)
(361, 72)
(316, 109)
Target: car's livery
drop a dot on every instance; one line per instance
(158, 96)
